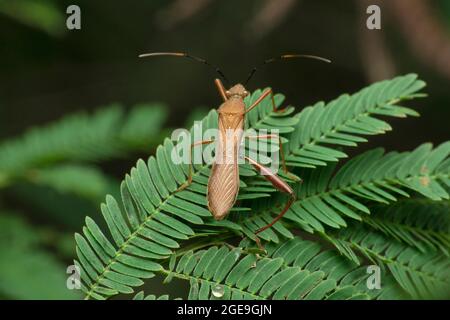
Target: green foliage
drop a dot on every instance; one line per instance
(296, 269)
(42, 15)
(223, 273)
(325, 199)
(418, 223)
(56, 155)
(52, 170)
(344, 120)
(82, 137)
(81, 180)
(153, 225)
(34, 273)
(350, 278)
(421, 274)
(141, 296)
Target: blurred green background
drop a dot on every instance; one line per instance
(111, 108)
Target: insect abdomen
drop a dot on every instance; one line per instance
(223, 188)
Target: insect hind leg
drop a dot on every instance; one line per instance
(280, 185)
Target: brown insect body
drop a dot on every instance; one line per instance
(223, 184)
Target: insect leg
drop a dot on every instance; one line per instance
(278, 183)
(189, 181)
(280, 145)
(261, 98)
(221, 89)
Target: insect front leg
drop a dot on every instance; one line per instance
(189, 180)
(279, 184)
(221, 89)
(261, 98)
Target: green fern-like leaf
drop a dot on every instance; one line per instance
(141, 296)
(83, 137)
(223, 273)
(295, 269)
(328, 199)
(350, 278)
(324, 199)
(151, 221)
(423, 275)
(417, 222)
(343, 121)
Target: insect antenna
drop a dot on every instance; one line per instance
(284, 57)
(186, 55)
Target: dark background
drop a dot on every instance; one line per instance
(48, 72)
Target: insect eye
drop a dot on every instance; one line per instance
(227, 92)
(245, 93)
